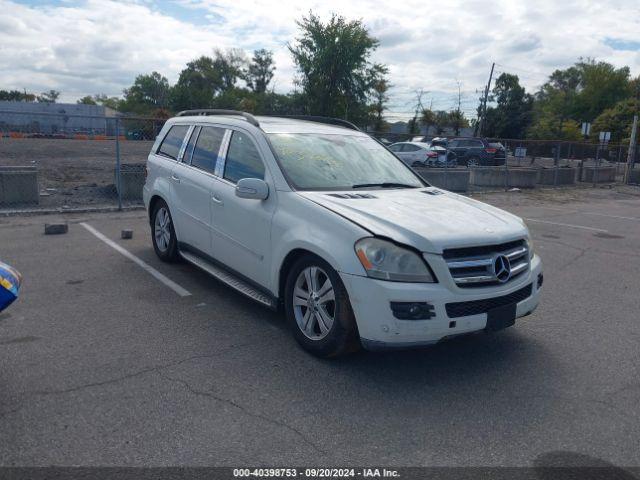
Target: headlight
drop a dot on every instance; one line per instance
(387, 261)
(530, 246)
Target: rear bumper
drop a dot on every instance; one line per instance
(380, 329)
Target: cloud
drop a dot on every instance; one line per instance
(99, 46)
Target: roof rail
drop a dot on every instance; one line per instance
(319, 119)
(214, 111)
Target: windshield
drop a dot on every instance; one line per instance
(339, 162)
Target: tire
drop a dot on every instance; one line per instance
(321, 338)
(473, 162)
(163, 235)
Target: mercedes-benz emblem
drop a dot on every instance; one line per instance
(502, 268)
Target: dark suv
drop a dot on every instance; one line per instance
(477, 151)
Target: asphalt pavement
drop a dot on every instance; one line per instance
(102, 363)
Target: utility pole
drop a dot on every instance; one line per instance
(458, 116)
(484, 100)
(631, 155)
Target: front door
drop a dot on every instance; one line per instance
(242, 227)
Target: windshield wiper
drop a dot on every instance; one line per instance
(383, 185)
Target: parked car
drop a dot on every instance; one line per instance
(477, 151)
(418, 154)
(326, 224)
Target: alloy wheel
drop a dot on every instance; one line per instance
(162, 230)
(314, 304)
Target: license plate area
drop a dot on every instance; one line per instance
(501, 317)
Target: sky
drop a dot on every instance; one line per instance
(82, 47)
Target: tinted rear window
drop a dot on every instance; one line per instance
(205, 155)
(170, 146)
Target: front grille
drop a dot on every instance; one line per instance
(476, 266)
(476, 307)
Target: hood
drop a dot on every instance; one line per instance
(428, 219)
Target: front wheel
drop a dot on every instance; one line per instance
(163, 235)
(318, 309)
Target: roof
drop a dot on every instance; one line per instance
(271, 124)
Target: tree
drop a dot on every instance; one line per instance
(601, 87)
(260, 71)
(48, 97)
(148, 92)
(441, 121)
(428, 118)
(230, 66)
(578, 94)
(86, 100)
(457, 121)
(617, 120)
(101, 99)
(16, 96)
(333, 64)
(512, 115)
(380, 99)
(197, 85)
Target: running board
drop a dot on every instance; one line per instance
(229, 279)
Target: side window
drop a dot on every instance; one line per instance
(205, 153)
(410, 148)
(243, 159)
(395, 148)
(188, 151)
(454, 144)
(170, 146)
(476, 144)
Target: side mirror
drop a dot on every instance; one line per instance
(253, 188)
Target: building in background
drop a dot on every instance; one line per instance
(56, 118)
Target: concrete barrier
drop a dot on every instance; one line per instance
(605, 174)
(18, 186)
(131, 180)
(566, 176)
(447, 178)
(520, 177)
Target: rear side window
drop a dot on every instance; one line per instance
(410, 148)
(205, 153)
(243, 159)
(170, 146)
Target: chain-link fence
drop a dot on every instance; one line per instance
(66, 162)
(529, 164)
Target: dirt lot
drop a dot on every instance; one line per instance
(73, 172)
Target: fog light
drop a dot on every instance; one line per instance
(412, 310)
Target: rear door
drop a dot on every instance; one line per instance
(241, 226)
(458, 147)
(192, 181)
(398, 149)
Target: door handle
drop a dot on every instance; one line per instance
(175, 179)
(215, 199)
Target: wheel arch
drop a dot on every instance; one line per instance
(152, 204)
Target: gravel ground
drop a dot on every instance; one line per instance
(73, 172)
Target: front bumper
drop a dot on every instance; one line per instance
(379, 329)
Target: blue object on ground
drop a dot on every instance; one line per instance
(10, 280)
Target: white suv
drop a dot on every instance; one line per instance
(314, 216)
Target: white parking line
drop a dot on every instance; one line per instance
(145, 266)
(571, 212)
(612, 216)
(566, 225)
